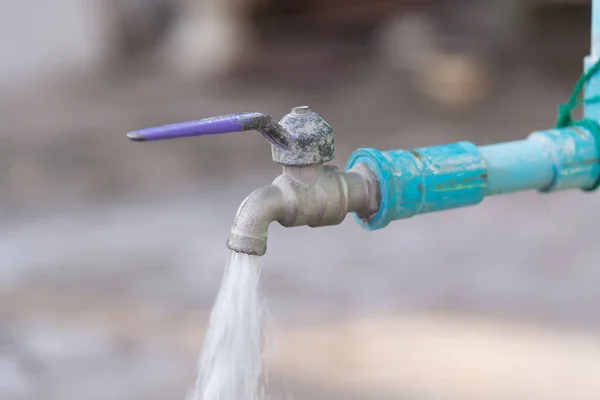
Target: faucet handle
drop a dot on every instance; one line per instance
(265, 125)
(302, 137)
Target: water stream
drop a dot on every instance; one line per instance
(229, 367)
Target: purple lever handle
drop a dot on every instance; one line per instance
(265, 125)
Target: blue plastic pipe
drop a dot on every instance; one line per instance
(593, 86)
(461, 174)
(595, 28)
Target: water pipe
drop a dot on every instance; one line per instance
(593, 86)
(379, 187)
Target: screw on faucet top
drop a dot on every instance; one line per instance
(301, 110)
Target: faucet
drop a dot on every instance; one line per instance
(308, 192)
(379, 187)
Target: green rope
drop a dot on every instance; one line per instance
(565, 119)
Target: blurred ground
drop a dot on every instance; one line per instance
(111, 252)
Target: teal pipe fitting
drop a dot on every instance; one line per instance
(461, 174)
(423, 180)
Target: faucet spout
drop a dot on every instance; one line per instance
(315, 195)
(255, 214)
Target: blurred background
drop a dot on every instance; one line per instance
(111, 253)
